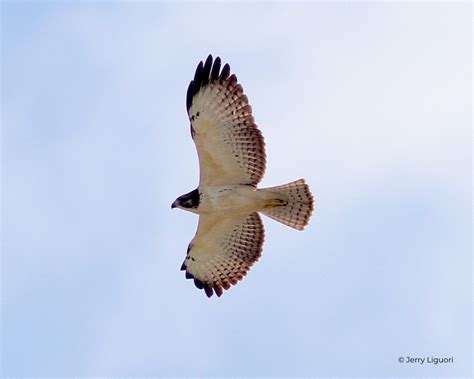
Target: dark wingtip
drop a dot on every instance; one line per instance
(205, 73)
(208, 291)
(195, 85)
(189, 276)
(197, 74)
(225, 72)
(218, 291)
(216, 67)
(198, 284)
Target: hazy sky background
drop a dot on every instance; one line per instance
(369, 102)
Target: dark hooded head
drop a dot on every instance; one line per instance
(188, 202)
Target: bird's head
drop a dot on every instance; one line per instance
(188, 202)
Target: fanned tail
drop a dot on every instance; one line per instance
(292, 206)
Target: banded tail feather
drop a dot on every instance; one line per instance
(296, 204)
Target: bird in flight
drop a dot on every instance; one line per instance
(232, 161)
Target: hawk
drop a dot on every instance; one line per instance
(232, 161)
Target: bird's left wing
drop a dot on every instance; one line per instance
(223, 250)
(231, 149)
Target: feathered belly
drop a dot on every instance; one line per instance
(231, 200)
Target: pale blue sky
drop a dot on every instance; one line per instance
(369, 102)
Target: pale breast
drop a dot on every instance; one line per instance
(231, 200)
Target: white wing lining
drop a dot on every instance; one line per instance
(223, 251)
(230, 147)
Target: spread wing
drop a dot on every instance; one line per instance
(223, 250)
(231, 149)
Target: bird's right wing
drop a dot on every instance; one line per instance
(231, 149)
(223, 250)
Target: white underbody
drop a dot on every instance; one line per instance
(234, 200)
